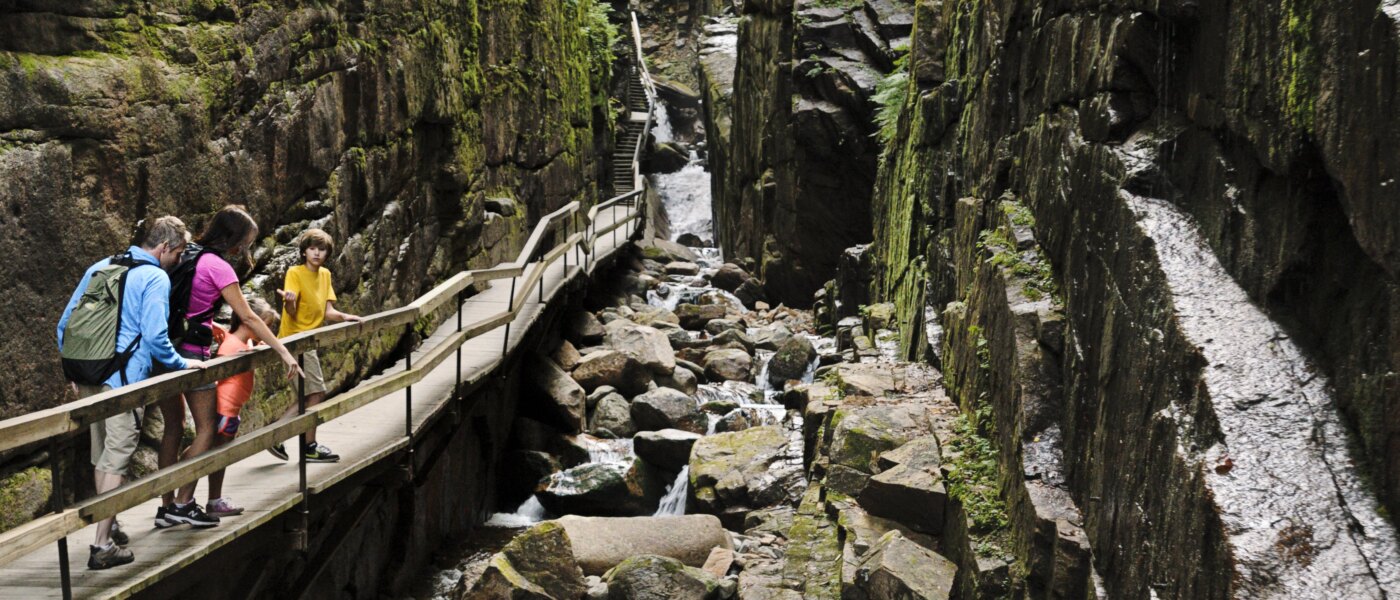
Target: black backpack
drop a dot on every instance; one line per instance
(90, 354)
(184, 327)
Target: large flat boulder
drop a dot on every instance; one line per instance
(695, 316)
(600, 543)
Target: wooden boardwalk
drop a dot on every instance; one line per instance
(267, 487)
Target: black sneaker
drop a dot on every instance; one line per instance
(119, 537)
(318, 453)
(190, 513)
(163, 518)
(279, 452)
(111, 556)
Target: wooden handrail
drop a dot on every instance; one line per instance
(69, 418)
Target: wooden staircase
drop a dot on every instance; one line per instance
(630, 133)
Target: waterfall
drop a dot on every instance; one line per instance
(529, 513)
(673, 503)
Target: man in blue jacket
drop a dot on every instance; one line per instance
(145, 308)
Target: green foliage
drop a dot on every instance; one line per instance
(601, 35)
(1300, 63)
(972, 480)
(889, 97)
(1030, 265)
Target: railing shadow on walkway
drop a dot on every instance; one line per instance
(56, 426)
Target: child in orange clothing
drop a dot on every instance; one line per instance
(233, 393)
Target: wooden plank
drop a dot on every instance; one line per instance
(36, 534)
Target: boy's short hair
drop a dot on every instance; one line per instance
(168, 230)
(315, 238)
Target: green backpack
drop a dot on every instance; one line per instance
(89, 353)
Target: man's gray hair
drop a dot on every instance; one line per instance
(168, 230)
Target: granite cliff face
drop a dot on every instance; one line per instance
(1153, 248)
(797, 156)
(388, 124)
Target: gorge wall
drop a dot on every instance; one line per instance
(1153, 246)
(1212, 221)
(797, 157)
(388, 124)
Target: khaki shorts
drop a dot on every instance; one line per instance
(311, 365)
(114, 440)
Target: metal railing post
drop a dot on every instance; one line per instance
(460, 301)
(305, 509)
(408, 392)
(56, 505)
(510, 307)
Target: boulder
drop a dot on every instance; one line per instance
(652, 316)
(791, 360)
(562, 400)
(613, 368)
(666, 157)
(567, 356)
(694, 369)
(536, 564)
(667, 448)
(604, 489)
(665, 251)
(601, 543)
(719, 326)
(583, 329)
(719, 561)
(737, 420)
(909, 495)
(729, 277)
(860, 433)
(646, 344)
(682, 268)
(733, 338)
(598, 394)
(878, 316)
(751, 293)
(522, 471)
(665, 408)
(899, 568)
(680, 379)
(614, 414)
(734, 473)
(695, 316)
(680, 338)
(728, 365)
(771, 337)
(693, 241)
(649, 577)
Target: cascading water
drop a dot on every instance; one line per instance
(674, 501)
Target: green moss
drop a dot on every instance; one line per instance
(23, 495)
(1300, 63)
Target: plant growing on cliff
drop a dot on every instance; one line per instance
(972, 479)
(889, 99)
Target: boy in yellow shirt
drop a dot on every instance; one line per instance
(307, 298)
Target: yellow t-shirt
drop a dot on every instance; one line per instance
(313, 291)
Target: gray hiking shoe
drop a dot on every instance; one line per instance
(111, 556)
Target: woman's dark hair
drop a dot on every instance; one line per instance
(228, 229)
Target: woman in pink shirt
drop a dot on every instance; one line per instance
(230, 234)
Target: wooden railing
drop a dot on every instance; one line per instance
(54, 426)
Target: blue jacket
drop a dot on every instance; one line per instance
(145, 310)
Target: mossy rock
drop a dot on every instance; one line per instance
(24, 495)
